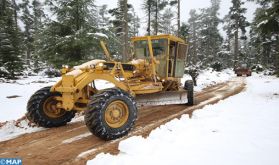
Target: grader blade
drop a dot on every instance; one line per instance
(162, 98)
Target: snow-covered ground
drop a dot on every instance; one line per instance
(243, 129)
(209, 77)
(18, 93)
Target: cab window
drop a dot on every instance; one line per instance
(142, 51)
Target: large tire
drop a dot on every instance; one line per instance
(40, 109)
(189, 86)
(108, 122)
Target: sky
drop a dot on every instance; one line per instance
(186, 6)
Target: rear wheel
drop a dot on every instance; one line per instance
(42, 109)
(111, 114)
(189, 86)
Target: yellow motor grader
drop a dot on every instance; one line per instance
(151, 78)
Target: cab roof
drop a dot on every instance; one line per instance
(161, 36)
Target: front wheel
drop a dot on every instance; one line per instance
(111, 114)
(42, 109)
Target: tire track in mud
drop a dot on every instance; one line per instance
(47, 147)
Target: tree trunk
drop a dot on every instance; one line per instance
(156, 18)
(28, 45)
(15, 12)
(194, 44)
(2, 7)
(236, 46)
(149, 18)
(77, 16)
(125, 49)
(178, 17)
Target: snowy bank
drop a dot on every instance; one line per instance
(210, 77)
(242, 129)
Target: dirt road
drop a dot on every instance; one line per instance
(73, 144)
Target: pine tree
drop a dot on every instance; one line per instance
(166, 22)
(148, 8)
(10, 50)
(265, 33)
(153, 9)
(193, 36)
(106, 27)
(72, 37)
(28, 22)
(38, 26)
(157, 15)
(211, 38)
(177, 4)
(238, 26)
(184, 31)
(119, 24)
(126, 30)
(103, 18)
(118, 14)
(134, 24)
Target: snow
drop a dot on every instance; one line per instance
(242, 129)
(262, 23)
(136, 62)
(84, 154)
(99, 35)
(209, 77)
(3, 69)
(89, 64)
(76, 138)
(12, 129)
(74, 73)
(14, 108)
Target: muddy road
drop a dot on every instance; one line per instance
(74, 144)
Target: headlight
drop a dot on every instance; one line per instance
(65, 66)
(100, 65)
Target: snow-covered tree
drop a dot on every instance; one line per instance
(103, 18)
(28, 21)
(166, 22)
(118, 22)
(211, 39)
(134, 24)
(194, 23)
(71, 37)
(184, 31)
(39, 18)
(265, 34)
(177, 4)
(204, 37)
(153, 10)
(237, 28)
(10, 49)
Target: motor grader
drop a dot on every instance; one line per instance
(151, 78)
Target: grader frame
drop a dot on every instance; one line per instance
(135, 77)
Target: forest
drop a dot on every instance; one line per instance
(35, 34)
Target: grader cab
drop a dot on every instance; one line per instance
(151, 78)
